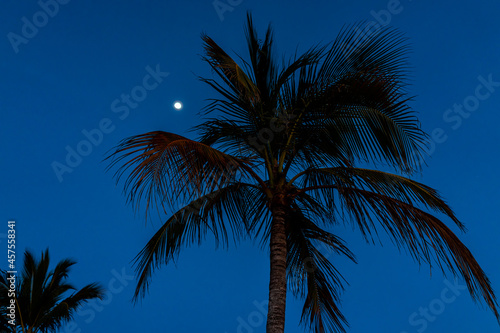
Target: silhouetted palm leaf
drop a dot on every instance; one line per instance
(231, 207)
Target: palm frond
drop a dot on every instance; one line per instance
(64, 311)
(388, 184)
(233, 137)
(233, 203)
(353, 104)
(166, 167)
(312, 276)
(239, 89)
(370, 196)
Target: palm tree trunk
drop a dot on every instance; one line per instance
(277, 283)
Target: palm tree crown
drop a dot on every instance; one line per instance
(278, 158)
(41, 304)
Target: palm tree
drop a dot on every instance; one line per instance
(279, 157)
(41, 304)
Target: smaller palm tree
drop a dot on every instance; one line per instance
(41, 304)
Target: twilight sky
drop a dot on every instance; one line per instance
(100, 71)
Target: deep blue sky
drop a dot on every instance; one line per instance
(65, 77)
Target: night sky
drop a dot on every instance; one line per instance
(65, 78)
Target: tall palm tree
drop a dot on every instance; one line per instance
(279, 157)
(40, 300)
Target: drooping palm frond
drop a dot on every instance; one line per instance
(388, 184)
(370, 196)
(225, 212)
(165, 167)
(311, 275)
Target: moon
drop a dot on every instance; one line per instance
(177, 105)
